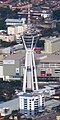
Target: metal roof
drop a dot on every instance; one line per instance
(13, 20)
(12, 104)
(52, 39)
(28, 95)
(52, 103)
(52, 58)
(16, 56)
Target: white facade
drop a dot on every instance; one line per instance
(30, 104)
(52, 92)
(45, 15)
(7, 38)
(48, 47)
(52, 45)
(15, 30)
(11, 30)
(1, 72)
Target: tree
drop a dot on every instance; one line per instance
(56, 14)
(29, 118)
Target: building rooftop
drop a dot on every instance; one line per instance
(12, 104)
(52, 58)
(8, 20)
(52, 103)
(16, 56)
(40, 58)
(13, 20)
(29, 95)
(55, 86)
(44, 89)
(52, 39)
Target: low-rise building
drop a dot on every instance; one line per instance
(48, 65)
(16, 30)
(13, 22)
(51, 104)
(12, 66)
(48, 24)
(51, 44)
(6, 108)
(47, 90)
(7, 38)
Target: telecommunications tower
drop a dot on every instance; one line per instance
(30, 100)
(30, 38)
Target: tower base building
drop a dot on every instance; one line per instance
(31, 104)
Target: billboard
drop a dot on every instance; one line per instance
(17, 71)
(48, 72)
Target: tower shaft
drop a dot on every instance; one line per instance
(30, 78)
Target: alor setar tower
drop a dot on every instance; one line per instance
(30, 38)
(31, 102)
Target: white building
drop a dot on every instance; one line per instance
(7, 38)
(47, 91)
(16, 30)
(28, 104)
(52, 45)
(13, 22)
(16, 26)
(31, 104)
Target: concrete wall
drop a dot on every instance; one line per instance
(45, 67)
(55, 46)
(11, 69)
(52, 46)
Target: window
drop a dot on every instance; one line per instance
(57, 70)
(43, 73)
(25, 103)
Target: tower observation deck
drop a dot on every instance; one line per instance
(30, 37)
